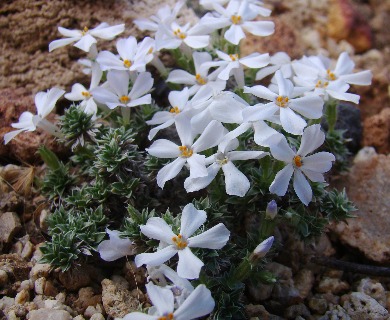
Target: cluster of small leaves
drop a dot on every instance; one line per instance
(76, 126)
(336, 143)
(336, 206)
(73, 233)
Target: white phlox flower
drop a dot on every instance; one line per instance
(237, 184)
(133, 56)
(235, 64)
(262, 249)
(116, 247)
(301, 164)
(117, 93)
(80, 93)
(203, 63)
(179, 104)
(189, 265)
(284, 104)
(90, 60)
(199, 303)
(188, 151)
(209, 4)
(238, 16)
(211, 103)
(86, 38)
(173, 35)
(315, 73)
(165, 276)
(165, 15)
(279, 61)
(45, 103)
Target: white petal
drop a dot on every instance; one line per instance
(197, 165)
(182, 77)
(116, 247)
(210, 137)
(234, 134)
(261, 92)
(76, 92)
(344, 64)
(214, 238)
(318, 162)
(344, 96)
(85, 43)
(314, 176)
(105, 96)
(160, 117)
(198, 304)
(259, 112)
(312, 138)
(178, 98)
(284, 85)
(155, 258)
(282, 151)
(157, 228)
(127, 48)
(146, 99)
(308, 106)
(10, 135)
(234, 34)
(362, 78)
(107, 60)
(191, 220)
(246, 155)
(70, 33)
(264, 72)
(259, 28)
(227, 109)
(108, 33)
(237, 184)
(154, 131)
(291, 122)
(162, 298)
(302, 187)
(119, 82)
(61, 43)
(189, 265)
(142, 85)
(195, 184)
(51, 98)
(197, 42)
(183, 128)
(265, 135)
(280, 184)
(170, 171)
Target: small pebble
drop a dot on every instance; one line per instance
(97, 316)
(3, 278)
(22, 297)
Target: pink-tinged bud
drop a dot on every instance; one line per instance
(262, 249)
(272, 210)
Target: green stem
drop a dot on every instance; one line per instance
(331, 114)
(125, 115)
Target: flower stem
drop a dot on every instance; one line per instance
(331, 113)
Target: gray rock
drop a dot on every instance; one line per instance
(318, 305)
(373, 289)
(304, 281)
(332, 285)
(49, 314)
(297, 310)
(9, 226)
(338, 313)
(361, 306)
(260, 292)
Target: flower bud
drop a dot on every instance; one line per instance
(262, 249)
(272, 210)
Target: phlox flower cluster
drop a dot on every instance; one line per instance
(215, 102)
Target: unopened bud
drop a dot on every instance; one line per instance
(272, 210)
(262, 249)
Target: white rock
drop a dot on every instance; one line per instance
(39, 285)
(6, 302)
(49, 314)
(26, 284)
(54, 304)
(22, 297)
(361, 306)
(364, 154)
(97, 316)
(40, 270)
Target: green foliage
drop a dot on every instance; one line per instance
(336, 205)
(76, 126)
(336, 143)
(57, 182)
(74, 233)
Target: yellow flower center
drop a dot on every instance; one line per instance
(282, 101)
(185, 152)
(179, 34)
(234, 57)
(236, 19)
(169, 316)
(127, 63)
(223, 161)
(179, 242)
(124, 99)
(150, 51)
(331, 75)
(85, 30)
(200, 79)
(297, 161)
(175, 110)
(86, 94)
(322, 84)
